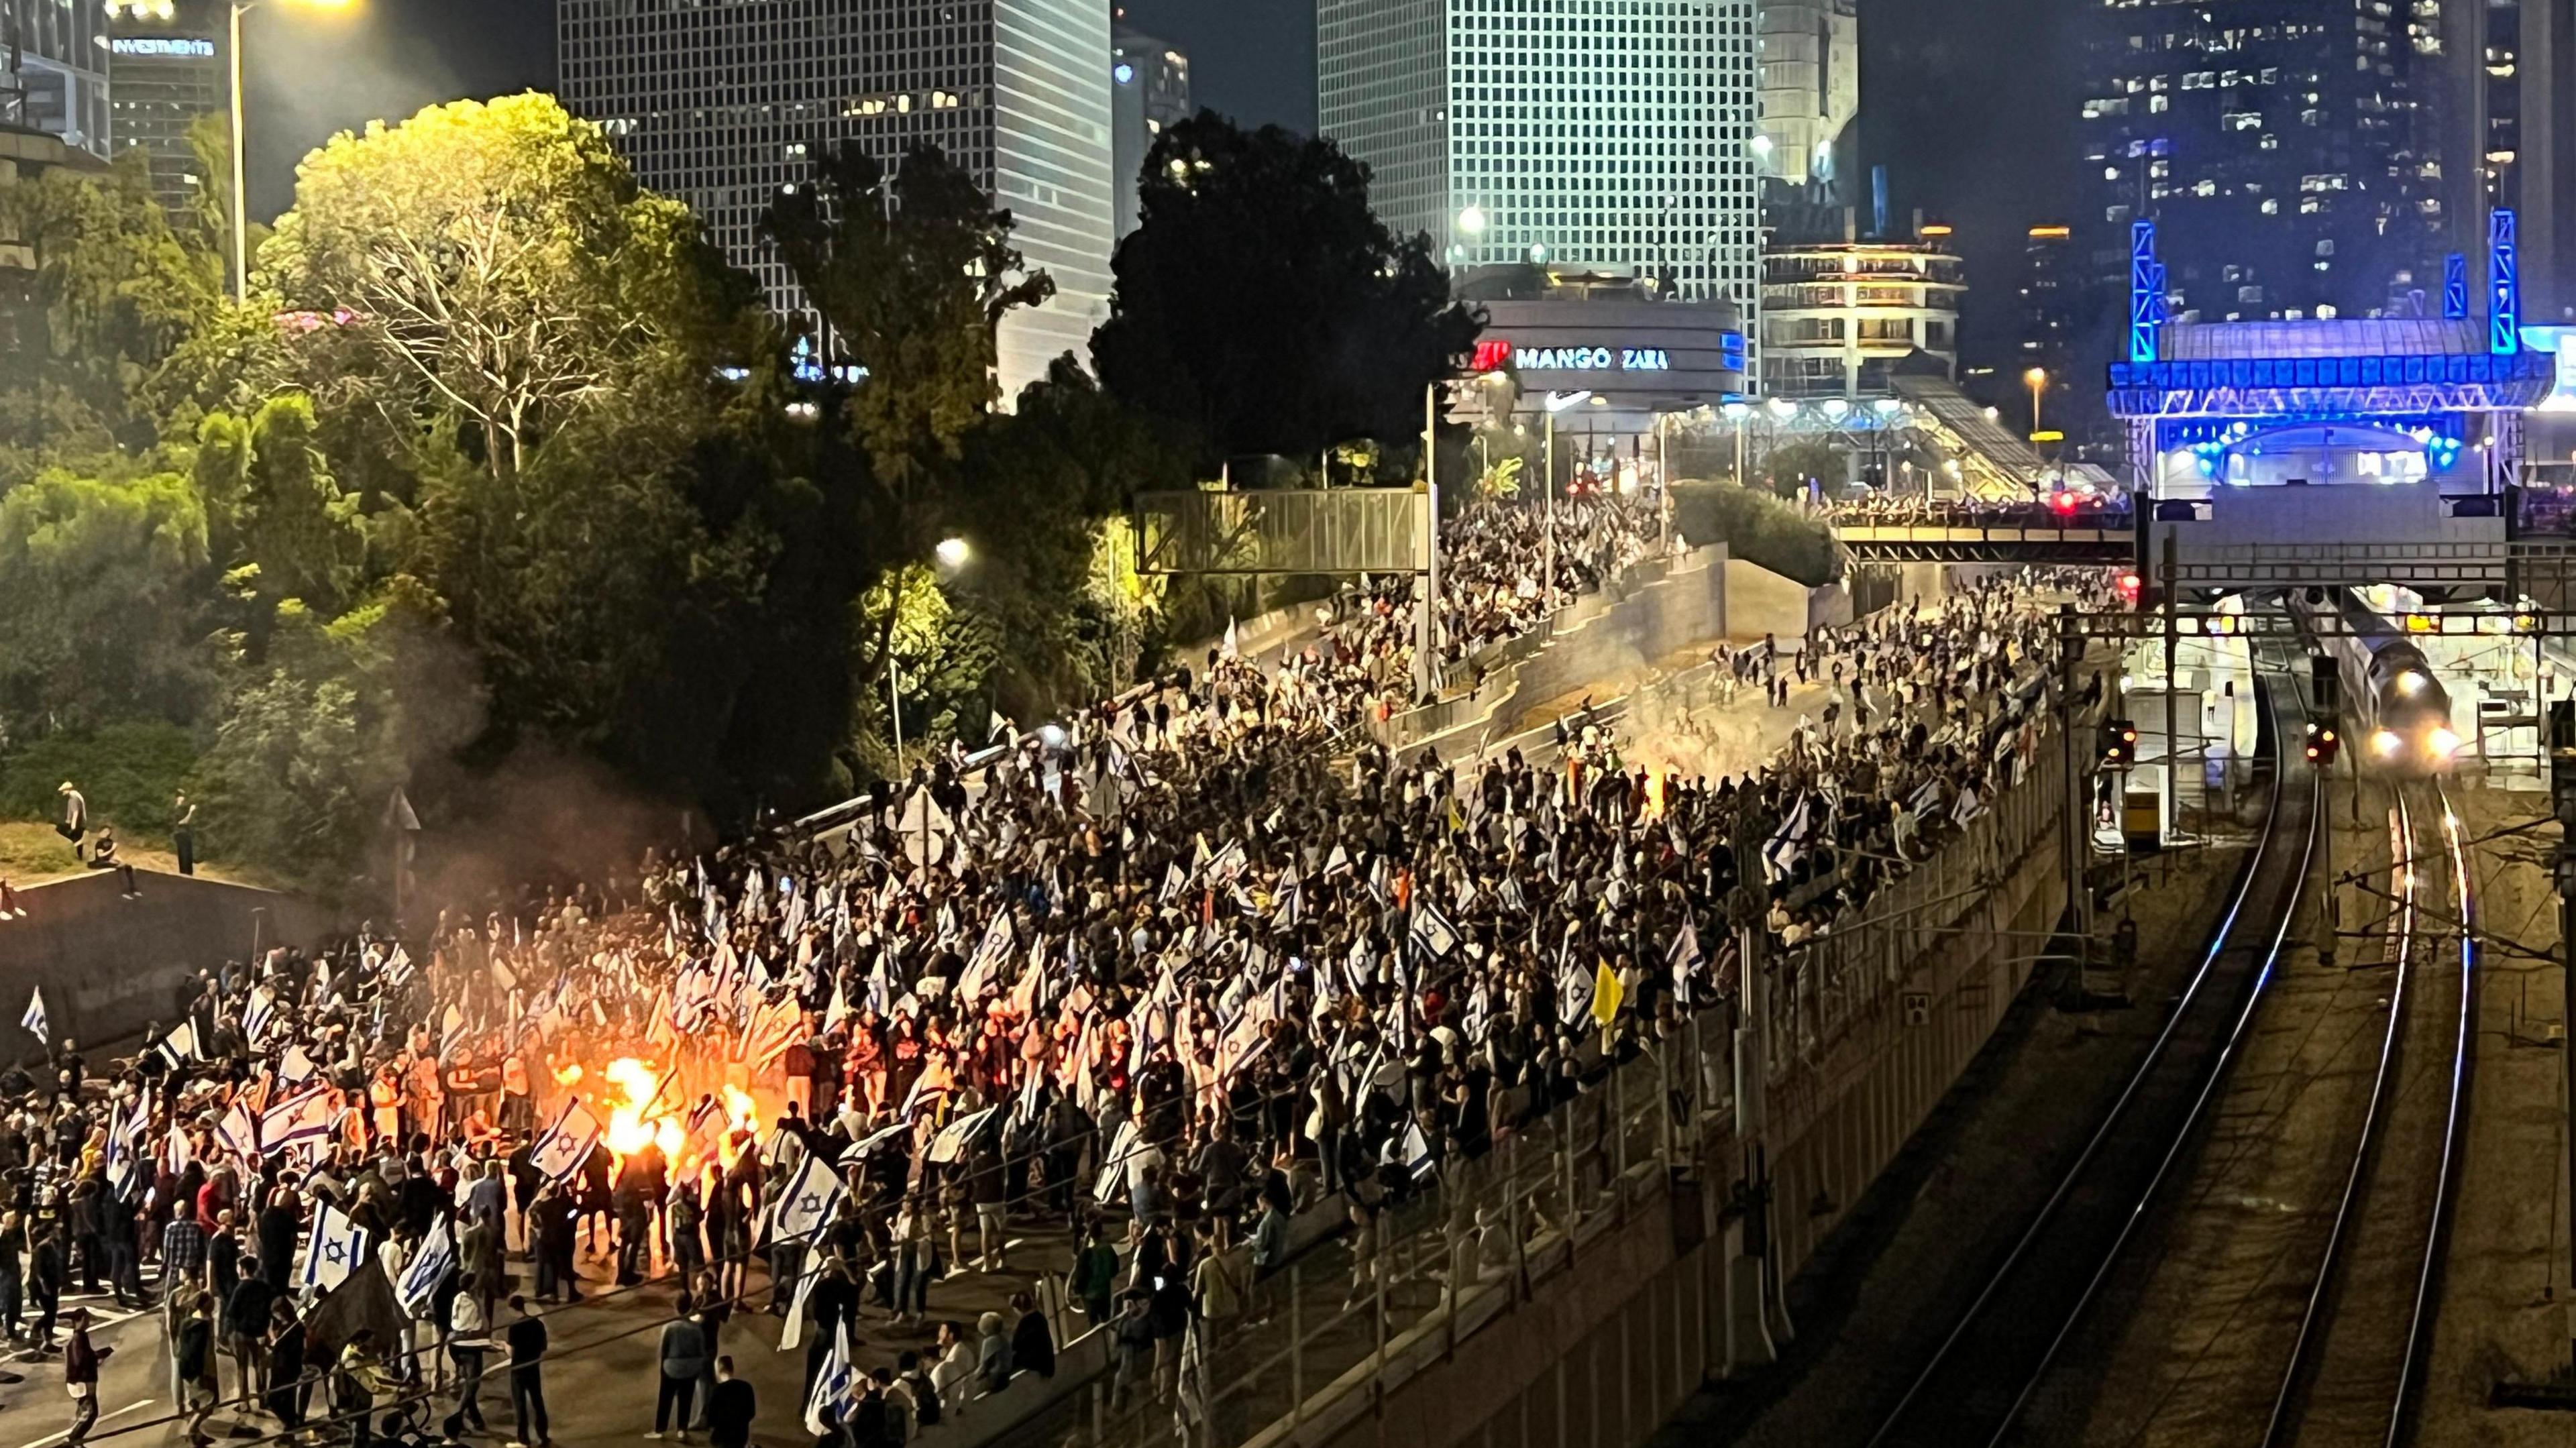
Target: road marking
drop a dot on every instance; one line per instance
(52, 1438)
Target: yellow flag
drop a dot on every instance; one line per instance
(1606, 995)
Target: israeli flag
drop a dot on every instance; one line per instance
(237, 1131)
(428, 1267)
(567, 1144)
(835, 1385)
(813, 1195)
(34, 1019)
(1433, 935)
(337, 1247)
(1686, 959)
(1788, 845)
(304, 1116)
(259, 1015)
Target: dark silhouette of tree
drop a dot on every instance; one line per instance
(1263, 308)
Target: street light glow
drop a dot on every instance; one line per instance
(1472, 221)
(953, 552)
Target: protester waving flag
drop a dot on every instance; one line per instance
(1607, 995)
(34, 1019)
(1686, 960)
(835, 1386)
(1432, 933)
(567, 1144)
(429, 1265)
(337, 1247)
(237, 1131)
(304, 1116)
(812, 1197)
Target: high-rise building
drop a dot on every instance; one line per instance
(2513, 124)
(166, 69)
(1608, 135)
(723, 103)
(1149, 90)
(1810, 54)
(1838, 318)
(58, 83)
(2289, 151)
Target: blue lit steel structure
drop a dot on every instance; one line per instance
(2230, 423)
(2455, 288)
(2504, 287)
(2146, 293)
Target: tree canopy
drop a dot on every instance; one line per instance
(1263, 308)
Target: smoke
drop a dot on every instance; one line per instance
(543, 816)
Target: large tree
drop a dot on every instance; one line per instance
(1264, 307)
(498, 266)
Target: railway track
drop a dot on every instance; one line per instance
(1979, 1380)
(2355, 1371)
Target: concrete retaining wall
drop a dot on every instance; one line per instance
(1661, 607)
(109, 966)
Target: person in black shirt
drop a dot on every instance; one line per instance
(730, 1412)
(526, 1337)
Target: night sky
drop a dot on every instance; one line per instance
(1966, 102)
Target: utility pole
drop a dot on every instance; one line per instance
(2173, 756)
(1426, 648)
(1548, 559)
(2077, 817)
(2562, 802)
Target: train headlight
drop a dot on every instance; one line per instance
(2442, 743)
(2385, 743)
(2410, 684)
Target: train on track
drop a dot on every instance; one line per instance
(2394, 707)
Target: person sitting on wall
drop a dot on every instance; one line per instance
(103, 856)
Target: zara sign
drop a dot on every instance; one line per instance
(1494, 354)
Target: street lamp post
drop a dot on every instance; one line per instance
(2037, 378)
(241, 146)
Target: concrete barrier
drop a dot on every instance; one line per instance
(109, 966)
(1657, 609)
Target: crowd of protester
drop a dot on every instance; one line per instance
(1165, 977)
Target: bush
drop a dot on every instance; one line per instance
(128, 772)
(1758, 528)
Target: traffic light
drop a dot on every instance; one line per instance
(2130, 586)
(2119, 744)
(2325, 683)
(2325, 740)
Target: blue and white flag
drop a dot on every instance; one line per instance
(812, 1197)
(338, 1246)
(305, 1116)
(1788, 845)
(1432, 934)
(259, 1015)
(1686, 959)
(835, 1385)
(34, 1019)
(429, 1265)
(237, 1131)
(567, 1144)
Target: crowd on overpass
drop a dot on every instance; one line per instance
(2056, 510)
(1162, 979)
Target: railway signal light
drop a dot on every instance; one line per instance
(2325, 740)
(2119, 744)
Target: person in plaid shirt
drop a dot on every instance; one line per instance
(183, 1270)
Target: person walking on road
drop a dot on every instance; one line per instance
(527, 1339)
(80, 1377)
(195, 1350)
